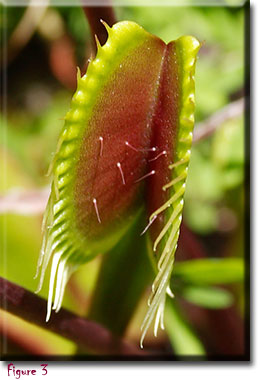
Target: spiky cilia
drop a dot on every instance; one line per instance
(125, 145)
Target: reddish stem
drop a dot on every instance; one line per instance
(87, 334)
(94, 15)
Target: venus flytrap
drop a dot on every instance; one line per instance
(125, 145)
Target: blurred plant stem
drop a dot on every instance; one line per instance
(24, 202)
(85, 333)
(184, 341)
(18, 339)
(125, 272)
(208, 127)
(94, 15)
(191, 246)
(26, 28)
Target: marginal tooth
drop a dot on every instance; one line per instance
(168, 225)
(178, 163)
(56, 187)
(97, 42)
(157, 320)
(162, 318)
(108, 29)
(157, 302)
(39, 263)
(55, 263)
(78, 74)
(60, 273)
(175, 180)
(169, 292)
(167, 204)
(68, 270)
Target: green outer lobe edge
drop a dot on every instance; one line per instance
(187, 48)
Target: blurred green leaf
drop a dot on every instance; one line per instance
(183, 339)
(77, 27)
(228, 152)
(32, 138)
(125, 272)
(11, 19)
(204, 178)
(217, 166)
(202, 216)
(209, 271)
(208, 297)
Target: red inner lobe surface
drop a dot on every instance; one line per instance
(165, 128)
(123, 113)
